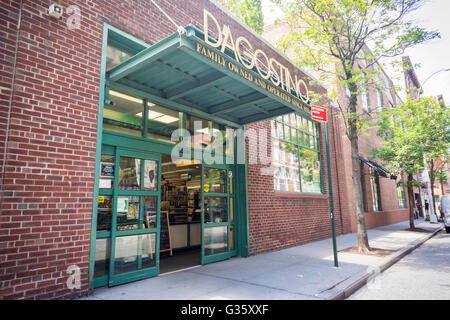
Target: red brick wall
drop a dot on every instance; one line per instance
(48, 176)
(47, 182)
(280, 220)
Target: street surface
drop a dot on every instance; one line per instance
(424, 274)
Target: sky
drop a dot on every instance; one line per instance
(427, 58)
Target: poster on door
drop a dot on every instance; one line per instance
(150, 174)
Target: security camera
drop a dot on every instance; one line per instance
(55, 11)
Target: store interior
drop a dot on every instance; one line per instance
(180, 215)
(180, 202)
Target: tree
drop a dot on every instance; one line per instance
(248, 11)
(436, 121)
(415, 128)
(333, 37)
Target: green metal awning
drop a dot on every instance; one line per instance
(177, 74)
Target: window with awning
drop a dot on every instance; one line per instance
(378, 169)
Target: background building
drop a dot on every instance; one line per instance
(426, 192)
(385, 199)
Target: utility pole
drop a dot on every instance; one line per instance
(320, 114)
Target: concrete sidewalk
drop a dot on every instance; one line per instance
(303, 272)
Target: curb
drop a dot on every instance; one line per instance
(346, 288)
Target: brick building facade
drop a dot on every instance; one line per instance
(50, 133)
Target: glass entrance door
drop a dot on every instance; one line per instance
(135, 225)
(218, 218)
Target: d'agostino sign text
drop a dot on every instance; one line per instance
(278, 74)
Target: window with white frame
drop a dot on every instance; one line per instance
(365, 101)
(401, 194)
(380, 100)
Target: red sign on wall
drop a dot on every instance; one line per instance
(319, 113)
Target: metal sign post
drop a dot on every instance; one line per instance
(320, 114)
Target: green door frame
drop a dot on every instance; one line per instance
(113, 35)
(224, 255)
(116, 279)
(108, 141)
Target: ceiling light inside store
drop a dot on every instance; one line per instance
(152, 115)
(157, 116)
(166, 119)
(206, 130)
(124, 96)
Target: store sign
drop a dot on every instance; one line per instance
(281, 82)
(319, 113)
(107, 169)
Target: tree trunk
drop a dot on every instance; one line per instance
(352, 133)
(411, 201)
(363, 242)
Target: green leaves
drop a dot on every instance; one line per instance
(248, 11)
(411, 130)
(344, 42)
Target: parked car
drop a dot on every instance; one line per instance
(445, 208)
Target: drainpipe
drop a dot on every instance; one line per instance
(13, 81)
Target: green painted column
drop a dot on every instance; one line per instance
(330, 190)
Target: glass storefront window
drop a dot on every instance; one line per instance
(102, 254)
(228, 142)
(148, 250)
(223, 139)
(215, 180)
(295, 138)
(310, 171)
(216, 240)
(216, 209)
(128, 212)
(200, 132)
(291, 166)
(129, 173)
(124, 115)
(104, 213)
(150, 212)
(273, 128)
(130, 248)
(162, 122)
(106, 172)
